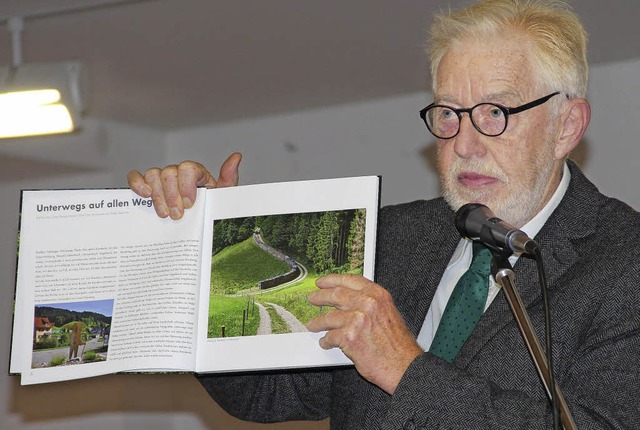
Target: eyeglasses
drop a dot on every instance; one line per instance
(489, 119)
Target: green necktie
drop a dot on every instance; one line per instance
(465, 306)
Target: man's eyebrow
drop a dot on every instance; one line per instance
(439, 99)
(509, 97)
(499, 97)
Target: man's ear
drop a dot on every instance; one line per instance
(575, 118)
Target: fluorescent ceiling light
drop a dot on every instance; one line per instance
(33, 113)
(37, 99)
(41, 99)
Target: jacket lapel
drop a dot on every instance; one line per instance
(573, 219)
(438, 240)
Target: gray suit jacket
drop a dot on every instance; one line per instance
(592, 259)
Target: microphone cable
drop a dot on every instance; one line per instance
(548, 341)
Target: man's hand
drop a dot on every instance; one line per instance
(366, 326)
(173, 188)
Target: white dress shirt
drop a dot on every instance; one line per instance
(461, 260)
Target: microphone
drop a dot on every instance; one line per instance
(476, 222)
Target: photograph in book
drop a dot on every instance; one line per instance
(71, 333)
(264, 267)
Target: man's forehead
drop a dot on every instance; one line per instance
(493, 71)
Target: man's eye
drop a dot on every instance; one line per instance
(448, 114)
(496, 113)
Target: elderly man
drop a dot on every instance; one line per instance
(509, 81)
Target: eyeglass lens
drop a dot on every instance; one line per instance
(488, 118)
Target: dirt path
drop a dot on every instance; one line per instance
(294, 325)
(265, 320)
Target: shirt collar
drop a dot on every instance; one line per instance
(535, 224)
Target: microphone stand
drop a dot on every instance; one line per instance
(503, 273)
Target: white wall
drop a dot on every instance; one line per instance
(384, 137)
(379, 137)
(613, 139)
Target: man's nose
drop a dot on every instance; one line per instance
(468, 141)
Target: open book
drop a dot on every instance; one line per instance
(104, 285)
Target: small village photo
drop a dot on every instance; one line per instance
(71, 333)
(264, 267)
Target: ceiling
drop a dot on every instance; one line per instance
(182, 63)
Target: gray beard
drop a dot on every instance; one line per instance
(521, 204)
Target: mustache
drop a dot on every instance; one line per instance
(479, 167)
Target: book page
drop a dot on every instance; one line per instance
(270, 243)
(103, 285)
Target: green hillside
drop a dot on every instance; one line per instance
(239, 267)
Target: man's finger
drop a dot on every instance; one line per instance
(138, 185)
(229, 171)
(329, 321)
(171, 191)
(354, 282)
(339, 297)
(192, 175)
(153, 181)
(332, 339)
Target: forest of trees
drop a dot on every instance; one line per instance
(327, 241)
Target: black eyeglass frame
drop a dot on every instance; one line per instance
(505, 110)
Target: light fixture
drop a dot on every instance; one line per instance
(39, 98)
